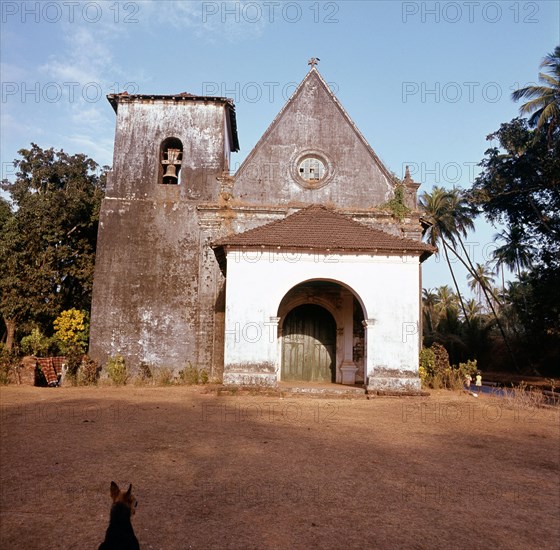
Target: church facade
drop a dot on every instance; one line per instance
(292, 269)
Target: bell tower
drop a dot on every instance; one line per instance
(170, 153)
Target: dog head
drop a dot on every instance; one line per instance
(125, 497)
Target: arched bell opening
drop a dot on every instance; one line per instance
(171, 159)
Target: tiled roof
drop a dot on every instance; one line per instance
(317, 227)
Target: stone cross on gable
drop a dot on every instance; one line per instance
(313, 61)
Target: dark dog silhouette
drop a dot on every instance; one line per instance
(120, 535)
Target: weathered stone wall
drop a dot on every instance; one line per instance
(155, 277)
(313, 121)
(159, 294)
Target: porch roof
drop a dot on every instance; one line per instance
(319, 228)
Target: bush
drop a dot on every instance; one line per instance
(36, 344)
(191, 376)
(145, 375)
(88, 372)
(9, 361)
(435, 371)
(165, 376)
(117, 371)
(72, 330)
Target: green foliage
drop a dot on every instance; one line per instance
(203, 377)
(436, 372)
(191, 375)
(117, 371)
(544, 99)
(470, 368)
(9, 361)
(74, 356)
(396, 206)
(71, 330)
(518, 186)
(36, 343)
(427, 361)
(48, 233)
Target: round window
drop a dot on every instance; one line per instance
(311, 169)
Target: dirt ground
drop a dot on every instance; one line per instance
(260, 472)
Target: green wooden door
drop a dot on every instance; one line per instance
(309, 345)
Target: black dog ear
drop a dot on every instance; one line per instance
(115, 491)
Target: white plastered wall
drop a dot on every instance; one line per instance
(386, 286)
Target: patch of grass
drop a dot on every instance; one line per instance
(191, 376)
(117, 371)
(522, 398)
(164, 376)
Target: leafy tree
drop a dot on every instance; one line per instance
(445, 223)
(48, 237)
(544, 100)
(520, 186)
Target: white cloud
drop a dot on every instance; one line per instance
(229, 20)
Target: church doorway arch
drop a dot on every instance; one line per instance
(309, 345)
(321, 334)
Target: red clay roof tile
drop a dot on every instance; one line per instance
(317, 227)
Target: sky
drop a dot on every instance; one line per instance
(425, 82)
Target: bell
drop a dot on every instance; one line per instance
(171, 172)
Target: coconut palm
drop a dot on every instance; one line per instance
(446, 299)
(483, 278)
(515, 253)
(430, 302)
(544, 100)
(439, 212)
(450, 215)
(474, 308)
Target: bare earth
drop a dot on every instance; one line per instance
(445, 471)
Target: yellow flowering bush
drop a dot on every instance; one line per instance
(71, 329)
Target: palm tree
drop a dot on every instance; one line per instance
(483, 279)
(474, 308)
(446, 299)
(430, 302)
(515, 253)
(544, 100)
(439, 213)
(450, 216)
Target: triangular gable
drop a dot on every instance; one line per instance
(313, 121)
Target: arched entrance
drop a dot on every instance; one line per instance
(309, 345)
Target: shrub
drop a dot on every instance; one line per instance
(165, 376)
(189, 375)
(72, 330)
(203, 377)
(9, 361)
(36, 343)
(145, 373)
(435, 371)
(74, 357)
(116, 370)
(88, 372)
